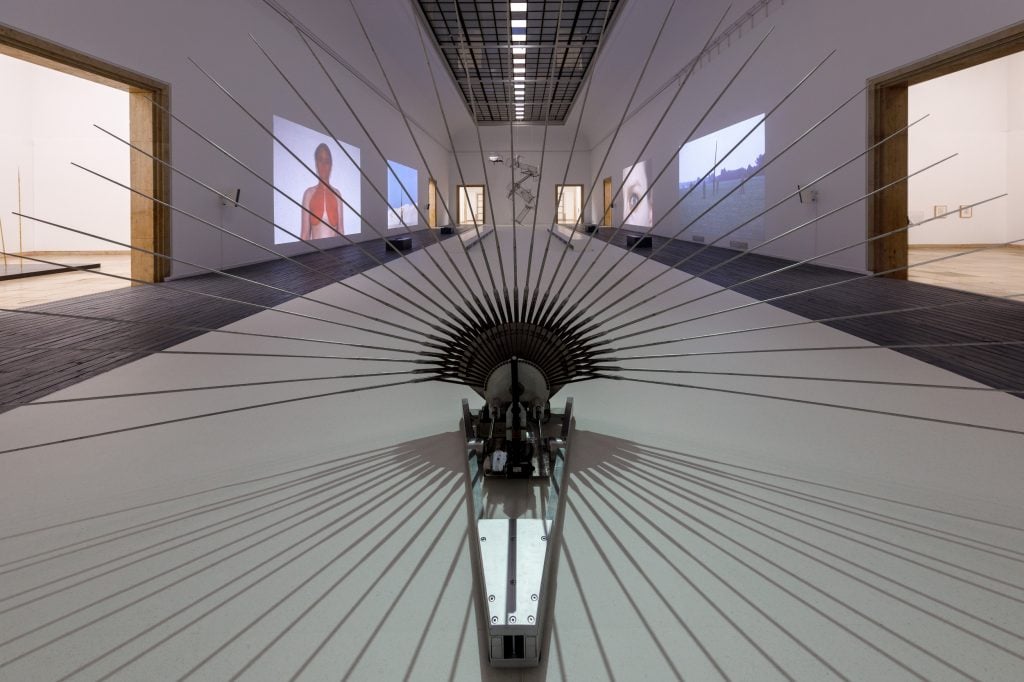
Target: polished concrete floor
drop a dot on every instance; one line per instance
(993, 272)
(711, 532)
(29, 291)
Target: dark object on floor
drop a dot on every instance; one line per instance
(447, 229)
(398, 243)
(640, 241)
(591, 229)
(16, 269)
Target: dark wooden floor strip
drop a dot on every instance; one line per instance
(983, 319)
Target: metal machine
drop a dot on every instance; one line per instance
(516, 456)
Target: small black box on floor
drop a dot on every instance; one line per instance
(640, 241)
(591, 229)
(398, 243)
(447, 229)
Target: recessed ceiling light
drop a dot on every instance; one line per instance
(518, 50)
(519, 60)
(518, 23)
(519, 69)
(517, 6)
(518, 78)
(519, 38)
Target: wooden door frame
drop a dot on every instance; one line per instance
(149, 129)
(480, 220)
(608, 201)
(580, 219)
(887, 114)
(431, 202)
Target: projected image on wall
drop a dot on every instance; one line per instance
(317, 210)
(637, 208)
(401, 202)
(699, 156)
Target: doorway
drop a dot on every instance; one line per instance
(890, 112)
(471, 204)
(569, 200)
(44, 77)
(431, 203)
(606, 218)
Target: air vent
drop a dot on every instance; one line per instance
(699, 238)
(742, 246)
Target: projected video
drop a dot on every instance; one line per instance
(401, 202)
(637, 208)
(313, 207)
(731, 168)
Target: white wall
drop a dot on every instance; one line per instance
(871, 37)
(46, 123)
(156, 38)
(969, 113)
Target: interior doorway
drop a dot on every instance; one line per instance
(471, 204)
(892, 210)
(42, 134)
(569, 209)
(606, 218)
(431, 203)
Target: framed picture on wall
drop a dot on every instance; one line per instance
(939, 211)
(966, 211)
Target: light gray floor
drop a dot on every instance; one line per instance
(707, 535)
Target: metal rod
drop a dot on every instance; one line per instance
(809, 349)
(230, 276)
(907, 384)
(151, 351)
(193, 389)
(255, 214)
(846, 281)
(162, 286)
(218, 413)
(749, 220)
(801, 401)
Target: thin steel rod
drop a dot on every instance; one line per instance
(193, 328)
(538, 311)
(763, 122)
(809, 349)
(162, 286)
(832, 284)
(802, 401)
(908, 384)
(192, 389)
(512, 171)
(462, 180)
(426, 165)
(122, 350)
(337, 194)
(363, 173)
(218, 413)
(639, 156)
(273, 187)
(749, 220)
(255, 214)
(837, 318)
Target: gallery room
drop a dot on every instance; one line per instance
(559, 339)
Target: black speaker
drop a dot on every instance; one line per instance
(640, 241)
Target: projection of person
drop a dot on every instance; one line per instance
(322, 201)
(636, 198)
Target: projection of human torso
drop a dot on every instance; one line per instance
(321, 203)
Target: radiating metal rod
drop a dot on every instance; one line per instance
(439, 196)
(639, 156)
(809, 349)
(611, 143)
(872, 382)
(469, 309)
(786, 198)
(536, 311)
(458, 167)
(194, 328)
(122, 350)
(218, 413)
(987, 300)
(832, 284)
(802, 401)
(239, 278)
(650, 256)
(365, 251)
(263, 126)
(192, 389)
(195, 292)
